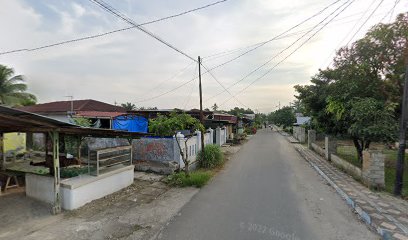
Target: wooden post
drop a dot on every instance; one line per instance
(2, 148)
(79, 139)
(55, 154)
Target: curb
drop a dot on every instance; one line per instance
(385, 234)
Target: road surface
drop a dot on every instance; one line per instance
(267, 191)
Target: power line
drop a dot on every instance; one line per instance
(110, 32)
(167, 79)
(351, 30)
(225, 89)
(282, 51)
(231, 51)
(235, 58)
(191, 90)
(368, 18)
(301, 45)
(263, 43)
(120, 15)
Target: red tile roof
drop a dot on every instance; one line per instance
(97, 114)
(78, 105)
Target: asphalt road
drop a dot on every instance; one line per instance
(267, 191)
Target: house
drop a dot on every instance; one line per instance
(223, 120)
(302, 121)
(101, 114)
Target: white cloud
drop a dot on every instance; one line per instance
(125, 66)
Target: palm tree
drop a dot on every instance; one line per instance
(12, 89)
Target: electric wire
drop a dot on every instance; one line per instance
(279, 35)
(235, 58)
(295, 50)
(288, 47)
(110, 32)
(122, 16)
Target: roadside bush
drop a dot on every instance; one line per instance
(212, 158)
(196, 179)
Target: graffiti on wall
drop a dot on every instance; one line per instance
(153, 149)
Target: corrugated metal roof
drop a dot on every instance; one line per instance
(78, 105)
(97, 114)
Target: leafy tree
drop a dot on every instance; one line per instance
(365, 80)
(13, 89)
(369, 121)
(214, 107)
(169, 125)
(239, 111)
(83, 122)
(128, 106)
(283, 117)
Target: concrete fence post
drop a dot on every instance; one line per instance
(311, 138)
(199, 140)
(373, 168)
(218, 136)
(211, 140)
(330, 147)
(180, 140)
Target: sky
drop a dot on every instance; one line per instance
(131, 66)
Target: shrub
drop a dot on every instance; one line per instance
(213, 156)
(196, 179)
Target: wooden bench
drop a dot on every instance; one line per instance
(11, 179)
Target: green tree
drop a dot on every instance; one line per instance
(13, 89)
(128, 106)
(239, 111)
(365, 80)
(283, 117)
(169, 125)
(214, 107)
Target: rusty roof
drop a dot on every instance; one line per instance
(78, 105)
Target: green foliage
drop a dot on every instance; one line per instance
(167, 125)
(13, 89)
(83, 122)
(283, 117)
(372, 120)
(372, 67)
(197, 179)
(214, 107)
(128, 106)
(236, 111)
(213, 157)
(73, 171)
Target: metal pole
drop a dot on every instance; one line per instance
(201, 104)
(399, 171)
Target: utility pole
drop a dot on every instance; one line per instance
(399, 171)
(72, 104)
(201, 104)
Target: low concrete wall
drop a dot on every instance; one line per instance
(317, 149)
(78, 191)
(348, 167)
(40, 187)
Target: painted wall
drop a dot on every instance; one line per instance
(14, 143)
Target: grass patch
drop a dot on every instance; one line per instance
(213, 157)
(196, 179)
(349, 154)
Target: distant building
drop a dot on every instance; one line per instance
(101, 114)
(301, 121)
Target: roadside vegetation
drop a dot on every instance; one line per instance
(208, 165)
(348, 153)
